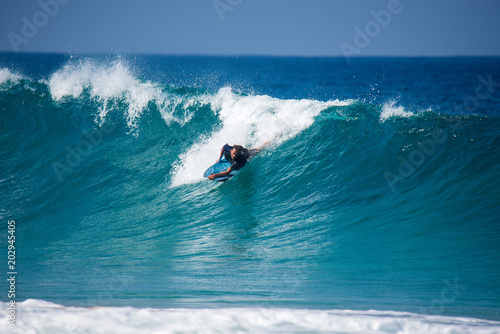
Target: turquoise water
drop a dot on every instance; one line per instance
(379, 191)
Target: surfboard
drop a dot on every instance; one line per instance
(220, 166)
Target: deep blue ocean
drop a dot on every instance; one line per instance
(378, 197)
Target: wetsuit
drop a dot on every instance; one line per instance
(241, 159)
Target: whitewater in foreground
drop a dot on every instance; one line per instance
(37, 316)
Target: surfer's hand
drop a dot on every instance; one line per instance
(211, 177)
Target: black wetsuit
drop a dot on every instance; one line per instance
(241, 159)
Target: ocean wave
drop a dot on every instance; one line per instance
(45, 317)
(343, 211)
(110, 84)
(248, 120)
(6, 75)
(392, 110)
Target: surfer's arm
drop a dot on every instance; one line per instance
(221, 174)
(256, 150)
(263, 146)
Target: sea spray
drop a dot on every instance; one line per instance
(250, 121)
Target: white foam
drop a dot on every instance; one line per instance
(111, 83)
(7, 75)
(35, 316)
(249, 121)
(389, 109)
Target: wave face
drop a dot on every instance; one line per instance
(379, 189)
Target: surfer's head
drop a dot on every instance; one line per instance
(236, 151)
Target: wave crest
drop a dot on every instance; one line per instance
(7, 75)
(390, 109)
(115, 87)
(248, 120)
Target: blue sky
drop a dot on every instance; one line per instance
(262, 27)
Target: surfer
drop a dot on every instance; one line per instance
(238, 156)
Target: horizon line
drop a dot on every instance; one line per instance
(248, 55)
